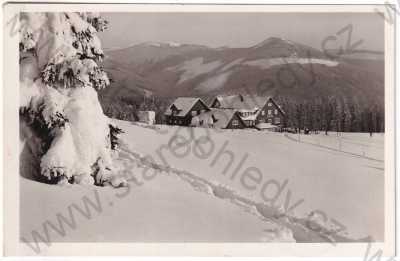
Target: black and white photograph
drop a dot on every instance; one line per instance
(203, 127)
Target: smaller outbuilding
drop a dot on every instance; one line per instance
(267, 126)
(148, 117)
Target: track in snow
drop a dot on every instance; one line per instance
(302, 229)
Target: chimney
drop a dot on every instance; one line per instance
(241, 97)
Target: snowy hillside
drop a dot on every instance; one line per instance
(185, 184)
(276, 67)
(343, 182)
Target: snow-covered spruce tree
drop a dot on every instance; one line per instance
(64, 134)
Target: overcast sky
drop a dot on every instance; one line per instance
(242, 29)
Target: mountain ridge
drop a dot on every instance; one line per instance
(275, 66)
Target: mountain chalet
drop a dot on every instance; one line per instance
(226, 112)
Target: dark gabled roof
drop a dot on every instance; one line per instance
(241, 102)
(183, 104)
(244, 102)
(219, 117)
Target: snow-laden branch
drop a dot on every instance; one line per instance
(59, 76)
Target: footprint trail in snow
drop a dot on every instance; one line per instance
(289, 228)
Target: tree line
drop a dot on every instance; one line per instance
(314, 115)
(332, 114)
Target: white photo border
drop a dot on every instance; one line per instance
(12, 244)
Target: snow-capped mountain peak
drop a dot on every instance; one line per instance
(273, 41)
(162, 44)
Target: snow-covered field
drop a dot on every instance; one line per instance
(224, 186)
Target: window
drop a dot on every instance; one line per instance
(277, 120)
(270, 120)
(235, 122)
(270, 104)
(194, 113)
(269, 112)
(276, 112)
(262, 113)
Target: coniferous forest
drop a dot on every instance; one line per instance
(318, 115)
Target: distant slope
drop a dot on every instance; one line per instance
(273, 67)
(138, 55)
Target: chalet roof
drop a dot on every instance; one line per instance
(242, 102)
(183, 104)
(222, 117)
